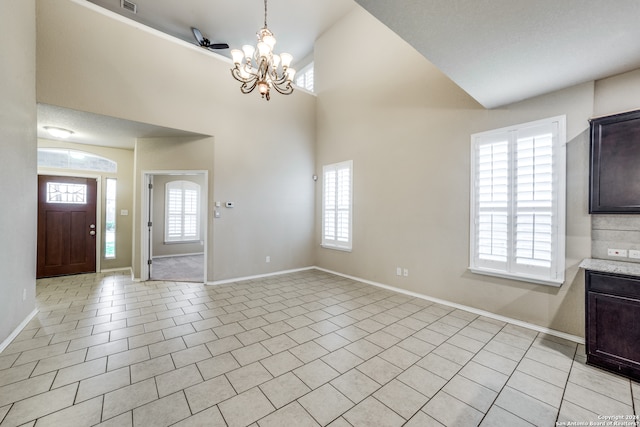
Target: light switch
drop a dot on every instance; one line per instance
(124, 212)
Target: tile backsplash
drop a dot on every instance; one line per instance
(614, 232)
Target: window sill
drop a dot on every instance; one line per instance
(518, 277)
(337, 248)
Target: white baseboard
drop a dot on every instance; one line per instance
(177, 255)
(479, 312)
(259, 276)
(17, 330)
(111, 270)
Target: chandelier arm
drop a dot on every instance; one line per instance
(251, 76)
(286, 90)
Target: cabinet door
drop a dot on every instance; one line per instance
(613, 333)
(615, 155)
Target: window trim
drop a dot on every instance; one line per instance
(556, 273)
(334, 243)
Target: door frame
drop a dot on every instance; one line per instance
(146, 238)
(98, 178)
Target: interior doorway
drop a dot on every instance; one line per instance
(175, 226)
(67, 228)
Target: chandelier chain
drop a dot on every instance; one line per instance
(265, 13)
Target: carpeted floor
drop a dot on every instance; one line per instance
(188, 268)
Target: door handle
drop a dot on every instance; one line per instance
(93, 233)
(92, 226)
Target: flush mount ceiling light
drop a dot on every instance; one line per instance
(58, 132)
(260, 67)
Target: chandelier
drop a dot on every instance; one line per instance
(260, 67)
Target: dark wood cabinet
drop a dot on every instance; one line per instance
(613, 322)
(615, 164)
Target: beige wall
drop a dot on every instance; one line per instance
(17, 163)
(124, 195)
(409, 138)
(263, 155)
(160, 248)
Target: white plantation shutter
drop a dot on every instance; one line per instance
(337, 188)
(182, 211)
(518, 202)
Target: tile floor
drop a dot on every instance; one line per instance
(300, 349)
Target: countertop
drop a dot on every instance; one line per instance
(609, 266)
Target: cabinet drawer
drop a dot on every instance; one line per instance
(613, 284)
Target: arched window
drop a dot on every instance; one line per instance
(74, 159)
(182, 211)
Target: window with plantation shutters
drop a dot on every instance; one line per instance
(182, 211)
(337, 186)
(518, 202)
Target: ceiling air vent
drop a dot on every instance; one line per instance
(130, 6)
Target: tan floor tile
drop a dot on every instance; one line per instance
(278, 344)
(513, 353)
(165, 347)
(284, 389)
(191, 355)
(292, 414)
(25, 388)
(379, 370)
(308, 351)
(526, 407)
(452, 412)
(162, 412)
(471, 393)
(150, 368)
(82, 414)
(245, 408)
(209, 393)
(546, 392)
(19, 373)
(145, 339)
(107, 349)
(177, 379)
(208, 418)
(371, 412)
(601, 382)
(498, 417)
(89, 341)
(325, 404)
(58, 362)
(401, 398)
(252, 336)
(596, 402)
(383, 339)
(104, 383)
(126, 358)
(544, 372)
(80, 372)
(248, 377)
(482, 375)
(40, 405)
(217, 365)
(129, 397)
(281, 363)
(496, 362)
(223, 345)
(8, 360)
(422, 380)
(572, 412)
(316, 373)
(332, 341)
(41, 353)
(355, 385)
(250, 354)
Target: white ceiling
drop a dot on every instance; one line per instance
(504, 51)
(498, 51)
(96, 129)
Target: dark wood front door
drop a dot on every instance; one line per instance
(66, 225)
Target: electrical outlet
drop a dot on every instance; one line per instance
(635, 254)
(267, 259)
(405, 272)
(617, 252)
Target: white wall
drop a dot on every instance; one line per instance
(262, 152)
(17, 163)
(407, 128)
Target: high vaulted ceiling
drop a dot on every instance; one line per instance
(498, 51)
